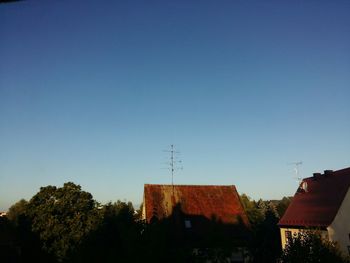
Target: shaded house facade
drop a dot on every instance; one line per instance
(322, 202)
(200, 214)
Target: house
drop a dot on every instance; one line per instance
(3, 214)
(322, 202)
(199, 213)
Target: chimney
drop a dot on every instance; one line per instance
(316, 175)
(328, 172)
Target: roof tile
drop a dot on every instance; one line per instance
(220, 202)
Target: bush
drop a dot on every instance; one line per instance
(309, 247)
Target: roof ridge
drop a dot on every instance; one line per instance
(334, 173)
(201, 185)
(342, 170)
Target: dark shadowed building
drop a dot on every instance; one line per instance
(202, 216)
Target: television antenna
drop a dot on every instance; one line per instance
(296, 170)
(174, 163)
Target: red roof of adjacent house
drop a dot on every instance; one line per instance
(209, 201)
(317, 200)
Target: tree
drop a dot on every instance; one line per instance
(266, 244)
(17, 211)
(309, 247)
(264, 216)
(118, 236)
(8, 250)
(253, 209)
(26, 244)
(283, 205)
(62, 217)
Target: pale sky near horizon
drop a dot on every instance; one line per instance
(93, 93)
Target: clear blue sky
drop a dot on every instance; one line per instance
(92, 93)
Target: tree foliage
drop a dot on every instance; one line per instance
(66, 224)
(264, 216)
(254, 212)
(309, 247)
(26, 245)
(62, 217)
(117, 236)
(17, 211)
(282, 205)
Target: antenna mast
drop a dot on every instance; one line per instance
(296, 170)
(173, 162)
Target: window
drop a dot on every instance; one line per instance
(188, 224)
(288, 235)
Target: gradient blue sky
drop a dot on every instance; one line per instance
(92, 93)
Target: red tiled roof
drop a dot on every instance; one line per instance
(319, 203)
(209, 201)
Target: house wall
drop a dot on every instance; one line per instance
(339, 230)
(295, 231)
(143, 215)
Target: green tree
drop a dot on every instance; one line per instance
(263, 216)
(283, 205)
(266, 242)
(309, 247)
(62, 217)
(17, 211)
(118, 236)
(253, 209)
(26, 244)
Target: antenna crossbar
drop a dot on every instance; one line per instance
(173, 162)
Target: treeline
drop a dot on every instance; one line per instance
(65, 224)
